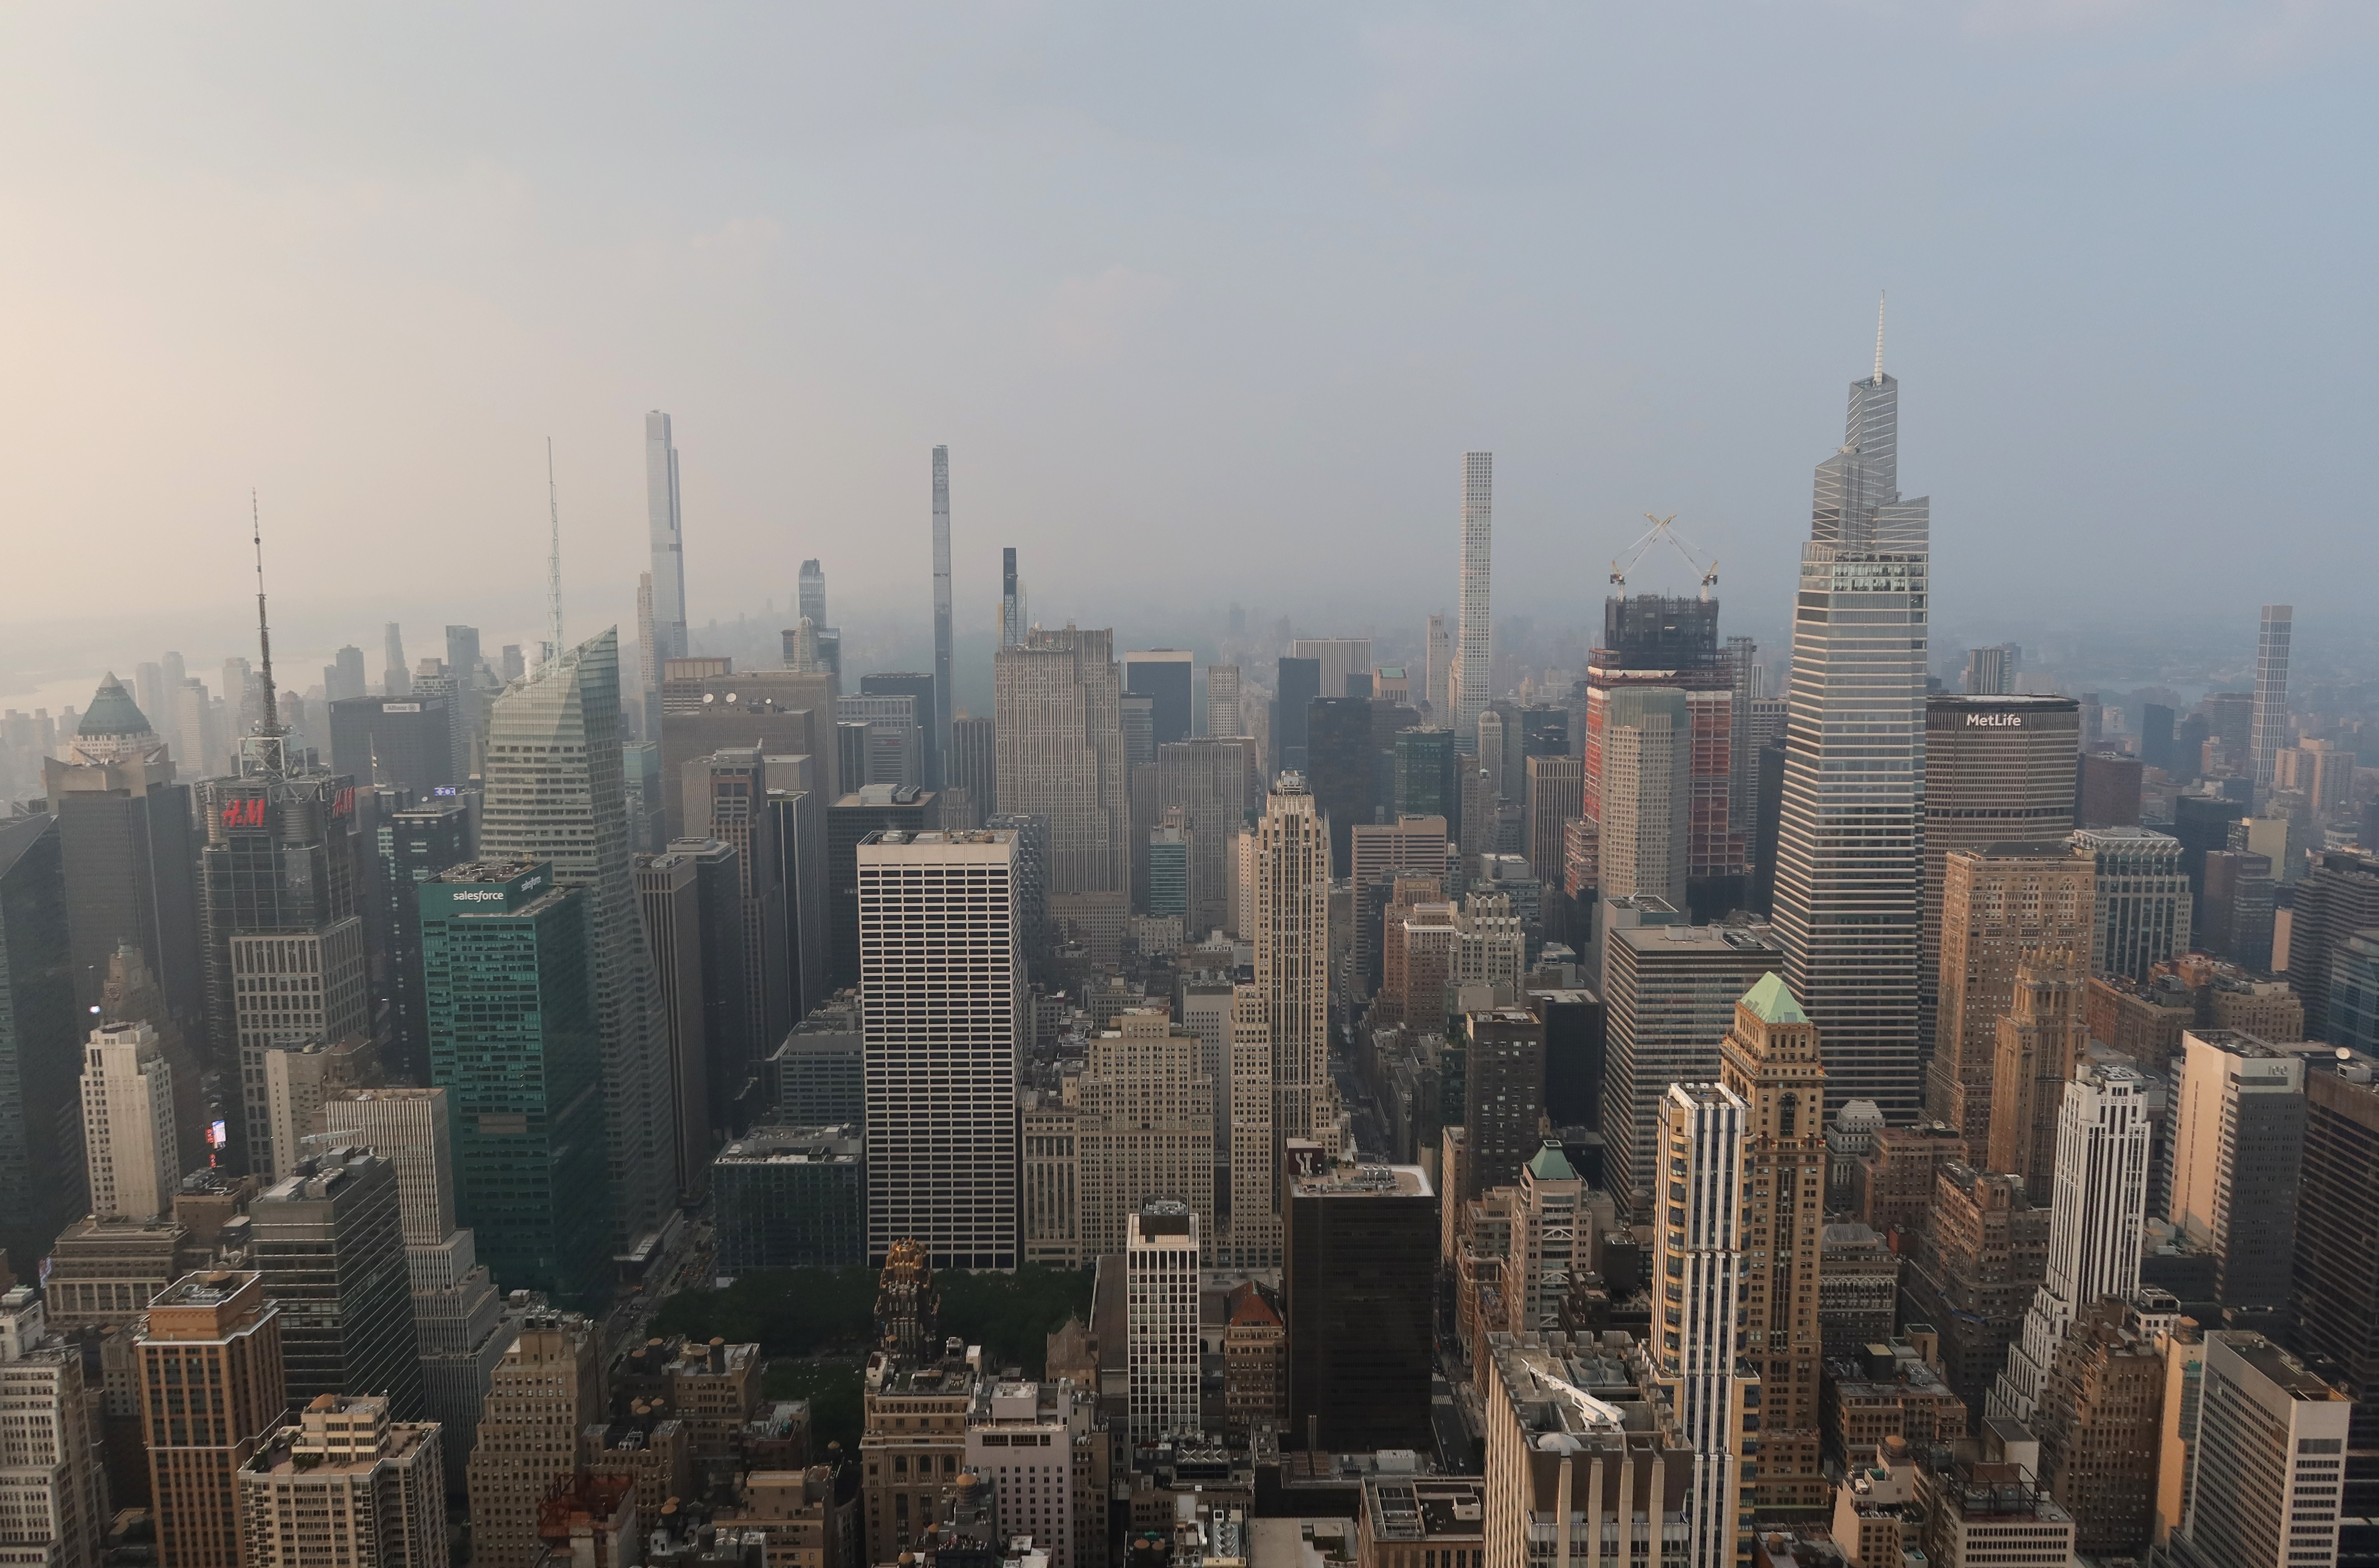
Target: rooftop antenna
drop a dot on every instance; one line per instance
(552, 560)
(1879, 336)
(269, 732)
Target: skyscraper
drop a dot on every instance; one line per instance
(1699, 1248)
(2338, 896)
(811, 592)
(667, 540)
(1672, 645)
(1342, 769)
(2000, 903)
(1471, 675)
(51, 1486)
(1012, 612)
(731, 807)
(1850, 865)
(2268, 728)
(1161, 1266)
(546, 1389)
(343, 1483)
(413, 846)
(1292, 958)
(125, 842)
(1060, 733)
(1360, 1255)
(924, 745)
(1223, 701)
(937, 738)
(553, 794)
(408, 741)
(40, 1042)
(515, 1040)
(396, 676)
(2043, 1032)
(2263, 1470)
(974, 765)
(1771, 1060)
(127, 1123)
(1214, 782)
(1162, 675)
(329, 1245)
(1646, 805)
(2103, 1132)
(2238, 1144)
(685, 947)
(214, 1330)
(941, 987)
(2139, 900)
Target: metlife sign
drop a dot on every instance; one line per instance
(1994, 721)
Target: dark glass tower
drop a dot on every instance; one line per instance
(1850, 883)
(1298, 682)
(330, 1244)
(413, 846)
(1429, 778)
(514, 1042)
(41, 1046)
(1342, 769)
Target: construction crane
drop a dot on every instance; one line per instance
(1661, 529)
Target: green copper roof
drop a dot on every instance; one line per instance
(112, 712)
(1551, 1164)
(1771, 1001)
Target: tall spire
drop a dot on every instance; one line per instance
(552, 559)
(1879, 336)
(263, 629)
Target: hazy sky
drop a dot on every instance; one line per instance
(1207, 300)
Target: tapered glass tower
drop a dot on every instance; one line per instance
(1849, 860)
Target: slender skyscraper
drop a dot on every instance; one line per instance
(554, 792)
(1699, 1248)
(939, 723)
(1474, 652)
(396, 676)
(2270, 725)
(813, 590)
(669, 538)
(1850, 884)
(1012, 600)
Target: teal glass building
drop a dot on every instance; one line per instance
(509, 1000)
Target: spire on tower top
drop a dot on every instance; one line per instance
(1878, 337)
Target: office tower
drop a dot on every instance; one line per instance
(40, 1053)
(811, 594)
(2103, 1132)
(1471, 676)
(396, 675)
(1168, 872)
(1492, 751)
(2139, 898)
(1292, 957)
(127, 1123)
(345, 1483)
(2043, 1032)
(689, 896)
(2264, 1466)
(2234, 918)
(890, 744)
(1162, 675)
(1342, 769)
(2098, 1425)
(1014, 618)
(329, 1245)
(2268, 728)
(413, 846)
(407, 743)
(1060, 732)
(1697, 1253)
(1213, 782)
(2109, 790)
(941, 989)
(125, 843)
(462, 659)
(1996, 769)
(2238, 1143)
(1437, 672)
(1359, 1256)
(1669, 991)
(790, 1198)
(667, 538)
(1554, 786)
(280, 878)
(1137, 718)
(1771, 1060)
(516, 1041)
(1976, 1262)
(546, 1389)
(1990, 672)
(2204, 824)
(871, 808)
(1160, 1258)
(920, 746)
(938, 740)
(1645, 810)
(1223, 717)
(1999, 903)
(553, 796)
(53, 1491)
(1504, 1096)
(1145, 1123)
(731, 806)
(1296, 682)
(1672, 645)
(1850, 861)
(972, 765)
(457, 1310)
(218, 1331)
(2337, 895)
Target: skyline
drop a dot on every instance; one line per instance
(309, 296)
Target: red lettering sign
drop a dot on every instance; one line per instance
(249, 813)
(343, 804)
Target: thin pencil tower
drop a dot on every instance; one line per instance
(940, 747)
(552, 560)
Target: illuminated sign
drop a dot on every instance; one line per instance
(344, 802)
(400, 707)
(1995, 722)
(443, 790)
(219, 1134)
(249, 813)
(478, 894)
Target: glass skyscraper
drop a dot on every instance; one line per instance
(1850, 882)
(554, 792)
(514, 1040)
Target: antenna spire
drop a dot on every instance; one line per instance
(553, 558)
(263, 628)
(1878, 337)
